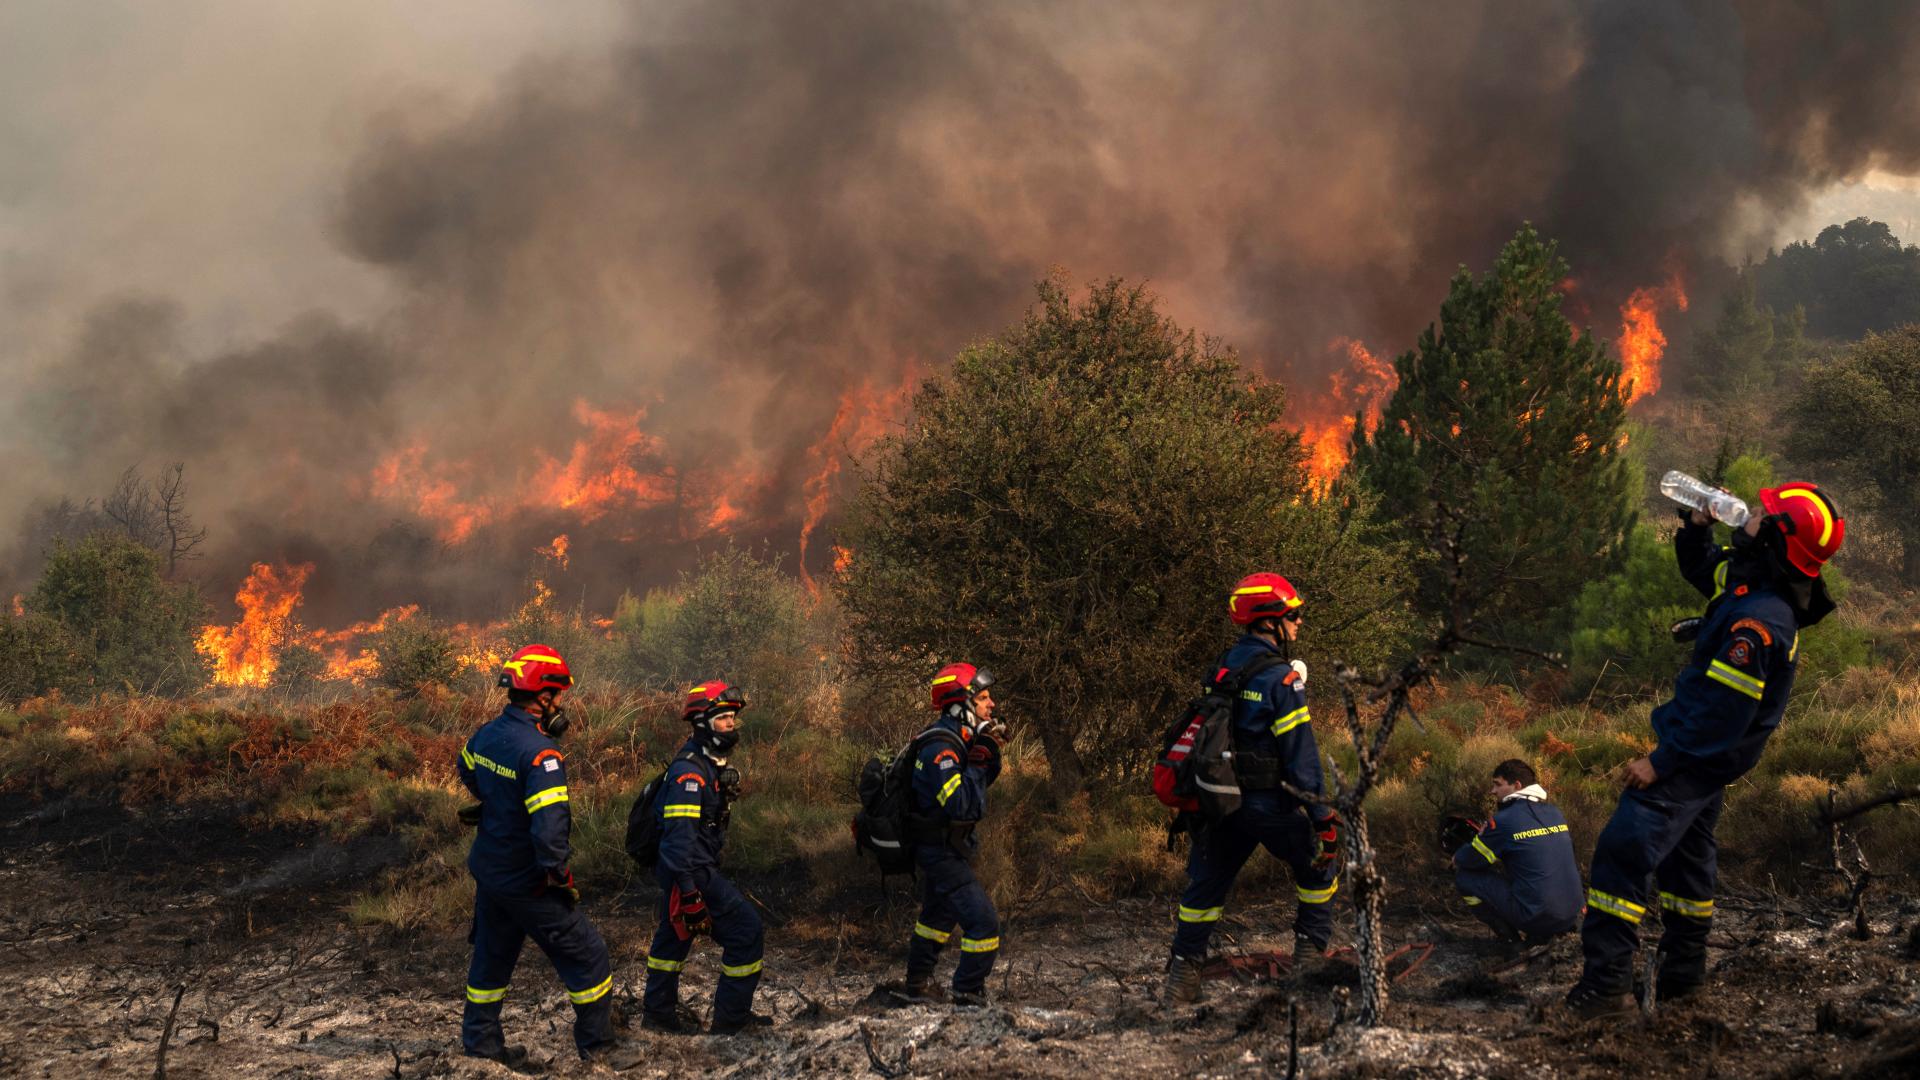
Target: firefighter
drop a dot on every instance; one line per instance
(1762, 590)
(523, 886)
(1273, 744)
(1519, 874)
(694, 804)
(951, 775)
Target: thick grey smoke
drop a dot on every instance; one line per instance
(741, 215)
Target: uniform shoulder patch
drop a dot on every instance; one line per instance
(692, 784)
(947, 759)
(1740, 652)
(1759, 628)
(552, 765)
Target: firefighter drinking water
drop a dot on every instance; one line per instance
(1762, 590)
(1272, 744)
(523, 886)
(694, 805)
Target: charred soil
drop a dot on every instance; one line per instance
(125, 929)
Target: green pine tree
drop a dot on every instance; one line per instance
(1500, 454)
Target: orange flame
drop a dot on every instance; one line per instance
(557, 551)
(603, 472)
(19, 606)
(842, 559)
(1363, 387)
(246, 653)
(1642, 343)
(863, 413)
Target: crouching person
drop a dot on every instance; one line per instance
(1519, 874)
(694, 805)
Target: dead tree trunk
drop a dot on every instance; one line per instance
(1348, 798)
(1849, 861)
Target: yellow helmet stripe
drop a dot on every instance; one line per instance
(946, 679)
(1826, 515)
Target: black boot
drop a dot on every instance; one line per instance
(1593, 1003)
(746, 1025)
(1183, 982)
(681, 1021)
(511, 1056)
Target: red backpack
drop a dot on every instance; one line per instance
(1195, 770)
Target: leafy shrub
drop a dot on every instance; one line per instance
(135, 628)
(736, 616)
(416, 655)
(42, 655)
(201, 737)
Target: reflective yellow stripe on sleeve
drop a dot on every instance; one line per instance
(1472, 901)
(1727, 675)
(466, 757)
(591, 994)
(1615, 906)
(674, 810)
(485, 997)
(947, 789)
(1485, 850)
(540, 800)
(1292, 720)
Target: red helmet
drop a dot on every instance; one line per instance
(958, 683)
(1261, 596)
(535, 668)
(710, 699)
(1812, 526)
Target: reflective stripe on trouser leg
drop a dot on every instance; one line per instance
(1643, 832)
(742, 939)
(666, 958)
(497, 940)
(955, 896)
(1215, 860)
(1686, 880)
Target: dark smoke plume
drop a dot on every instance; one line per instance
(749, 212)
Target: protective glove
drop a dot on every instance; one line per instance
(1300, 669)
(984, 754)
(1457, 831)
(470, 815)
(560, 883)
(688, 913)
(1328, 834)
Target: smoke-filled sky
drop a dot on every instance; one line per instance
(412, 288)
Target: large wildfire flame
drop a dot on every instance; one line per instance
(1361, 388)
(1642, 343)
(617, 467)
(247, 653)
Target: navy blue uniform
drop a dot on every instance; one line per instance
(1520, 875)
(693, 813)
(950, 795)
(1726, 702)
(1273, 742)
(521, 781)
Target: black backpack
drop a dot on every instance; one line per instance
(886, 823)
(1195, 772)
(643, 825)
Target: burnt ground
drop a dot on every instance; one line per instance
(107, 917)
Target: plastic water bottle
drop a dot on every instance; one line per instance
(1721, 505)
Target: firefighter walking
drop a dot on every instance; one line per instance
(1762, 591)
(523, 885)
(1272, 744)
(694, 805)
(959, 759)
